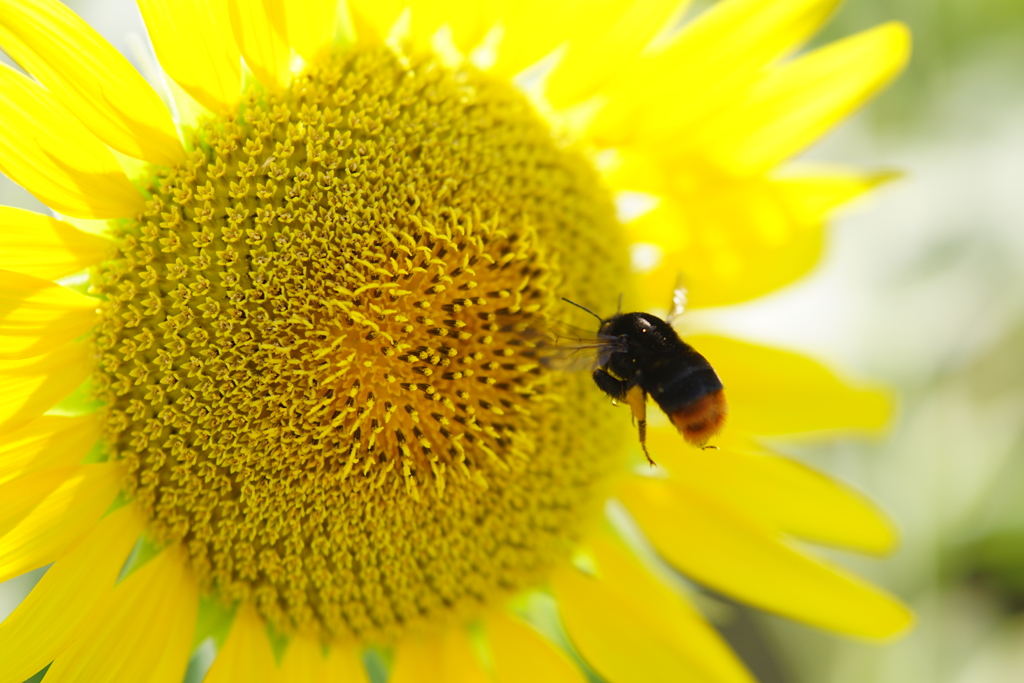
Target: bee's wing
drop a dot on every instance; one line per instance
(678, 301)
(564, 347)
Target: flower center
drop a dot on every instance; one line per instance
(313, 350)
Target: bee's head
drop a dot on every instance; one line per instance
(629, 325)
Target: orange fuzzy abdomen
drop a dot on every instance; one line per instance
(702, 419)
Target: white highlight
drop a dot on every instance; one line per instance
(644, 256)
(631, 205)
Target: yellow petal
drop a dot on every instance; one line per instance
(90, 77)
(533, 29)
(794, 104)
(734, 238)
(738, 240)
(180, 612)
(443, 657)
(703, 68)
(774, 392)
(51, 154)
(29, 303)
(304, 660)
(29, 387)
(45, 247)
(631, 628)
(195, 46)
(814, 195)
(718, 546)
(307, 660)
(260, 30)
(246, 654)
(140, 631)
(42, 625)
(60, 519)
(376, 18)
(344, 665)
(469, 20)
(17, 499)
(522, 655)
(36, 316)
(525, 39)
(48, 442)
(604, 42)
(777, 491)
(311, 25)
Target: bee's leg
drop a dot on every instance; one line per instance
(615, 388)
(637, 400)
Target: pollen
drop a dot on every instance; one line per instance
(315, 355)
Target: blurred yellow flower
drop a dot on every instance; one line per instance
(300, 423)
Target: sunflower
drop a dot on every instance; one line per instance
(268, 388)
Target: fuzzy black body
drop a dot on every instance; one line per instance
(642, 354)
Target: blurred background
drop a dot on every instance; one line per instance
(922, 287)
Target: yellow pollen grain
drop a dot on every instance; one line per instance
(313, 356)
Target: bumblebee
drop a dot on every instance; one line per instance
(639, 354)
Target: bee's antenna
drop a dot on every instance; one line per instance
(619, 309)
(583, 308)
